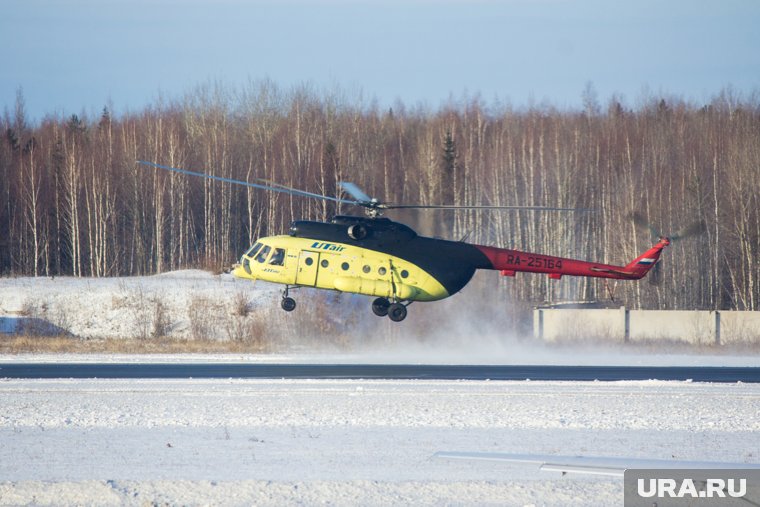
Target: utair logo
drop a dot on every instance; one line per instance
(712, 488)
(320, 245)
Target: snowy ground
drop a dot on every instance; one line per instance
(128, 306)
(326, 327)
(280, 442)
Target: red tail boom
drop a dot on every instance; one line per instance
(511, 261)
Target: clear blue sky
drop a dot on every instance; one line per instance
(70, 56)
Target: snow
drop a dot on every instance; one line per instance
(334, 442)
(126, 306)
(347, 442)
(327, 327)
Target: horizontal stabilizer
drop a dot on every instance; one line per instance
(613, 271)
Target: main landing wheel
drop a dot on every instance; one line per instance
(397, 312)
(288, 304)
(380, 307)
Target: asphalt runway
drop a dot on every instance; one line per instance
(376, 371)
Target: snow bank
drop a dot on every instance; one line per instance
(129, 306)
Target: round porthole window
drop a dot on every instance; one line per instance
(309, 261)
(366, 269)
(404, 273)
(344, 266)
(324, 263)
(381, 271)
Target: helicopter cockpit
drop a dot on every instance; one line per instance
(258, 258)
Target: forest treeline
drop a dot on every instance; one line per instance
(75, 202)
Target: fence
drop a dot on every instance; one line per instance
(697, 327)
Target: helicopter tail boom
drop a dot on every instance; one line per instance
(511, 261)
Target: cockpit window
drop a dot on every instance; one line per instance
(252, 252)
(278, 257)
(263, 254)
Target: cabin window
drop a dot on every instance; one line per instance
(404, 273)
(264, 253)
(366, 268)
(278, 257)
(309, 261)
(382, 271)
(324, 263)
(252, 252)
(344, 266)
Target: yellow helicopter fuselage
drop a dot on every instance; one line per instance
(343, 267)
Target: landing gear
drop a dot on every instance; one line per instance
(288, 303)
(380, 307)
(397, 312)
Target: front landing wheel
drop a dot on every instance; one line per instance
(397, 312)
(288, 304)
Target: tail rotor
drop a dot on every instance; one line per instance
(694, 229)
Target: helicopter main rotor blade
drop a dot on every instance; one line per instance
(486, 207)
(272, 185)
(355, 192)
(278, 188)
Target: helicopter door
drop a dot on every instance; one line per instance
(308, 263)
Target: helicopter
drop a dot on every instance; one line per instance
(378, 257)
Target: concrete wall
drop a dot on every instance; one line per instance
(697, 327)
(739, 327)
(578, 324)
(690, 326)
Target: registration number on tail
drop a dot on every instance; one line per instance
(533, 261)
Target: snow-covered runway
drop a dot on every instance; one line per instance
(349, 442)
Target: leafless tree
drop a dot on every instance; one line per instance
(75, 202)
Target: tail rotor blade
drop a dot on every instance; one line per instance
(640, 221)
(655, 276)
(694, 229)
